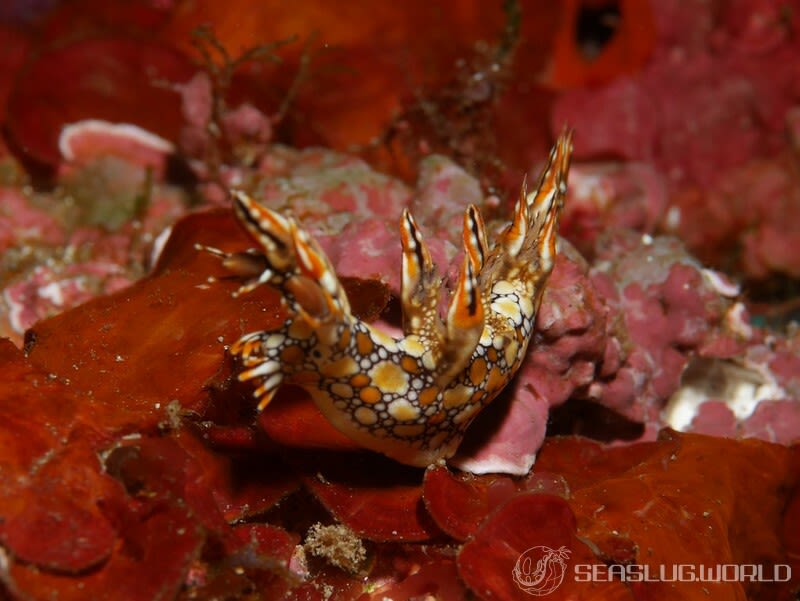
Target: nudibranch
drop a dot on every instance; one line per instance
(410, 398)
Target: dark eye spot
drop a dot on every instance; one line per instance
(316, 354)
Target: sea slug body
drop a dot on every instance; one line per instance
(410, 398)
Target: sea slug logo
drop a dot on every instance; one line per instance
(540, 570)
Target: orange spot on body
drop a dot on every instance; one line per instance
(360, 380)
(300, 329)
(370, 395)
(410, 365)
(477, 371)
(344, 341)
(364, 344)
(427, 396)
(292, 355)
(437, 418)
(496, 379)
(457, 396)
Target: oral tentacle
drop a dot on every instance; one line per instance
(261, 364)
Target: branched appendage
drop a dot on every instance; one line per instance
(457, 118)
(221, 66)
(410, 398)
(226, 143)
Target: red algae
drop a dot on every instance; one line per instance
(131, 442)
(71, 78)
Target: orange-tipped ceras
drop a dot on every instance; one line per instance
(410, 398)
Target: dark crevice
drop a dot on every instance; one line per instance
(595, 27)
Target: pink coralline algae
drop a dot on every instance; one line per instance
(569, 343)
(218, 137)
(84, 141)
(714, 114)
(128, 432)
(22, 221)
(92, 235)
(48, 291)
(623, 330)
(609, 195)
(65, 83)
(665, 306)
(706, 101)
(619, 331)
(746, 224)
